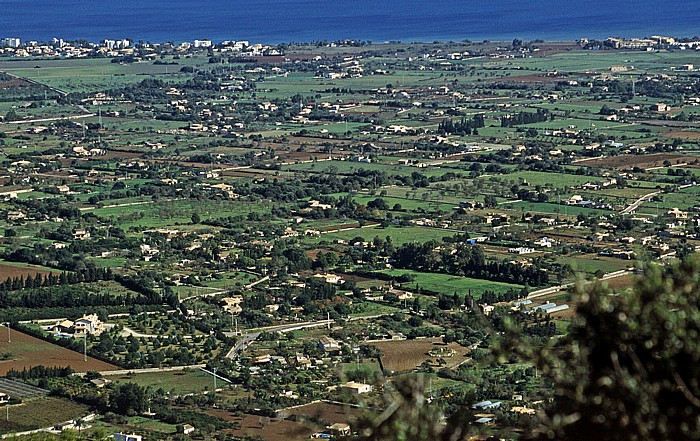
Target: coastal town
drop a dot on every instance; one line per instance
(240, 241)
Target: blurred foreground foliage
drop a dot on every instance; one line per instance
(628, 369)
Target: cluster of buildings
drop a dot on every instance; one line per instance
(58, 47)
(88, 324)
(653, 42)
(10, 42)
(116, 44)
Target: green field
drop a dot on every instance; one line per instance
(448, 284)
(35, 413)
(399, 235)
(175, 382)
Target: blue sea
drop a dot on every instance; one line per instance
(376, 20)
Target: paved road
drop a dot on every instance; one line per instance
(646, 198)
(253, 334)
(264, 279)
(245, 340)
(148, 370)
(634, 205)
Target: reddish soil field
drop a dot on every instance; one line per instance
(354, 278)
(616, 283)
(641, 161)
(530, 79)
(268, 429)
(547, 49)
(278, 429)
(303, 156)
(406, 355)
(28, 351)
(623, 282)
(11, 271)
(313, 254)
(14, 83)
(333, 413)
(683, 134)
(116, 154)
(339, 227)
(278, 59)
(249, 173)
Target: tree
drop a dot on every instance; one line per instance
(378, 204)
(628, 369)
(128, 399)
(11, 115)
(195, 218)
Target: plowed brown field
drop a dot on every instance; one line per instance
(27, 351)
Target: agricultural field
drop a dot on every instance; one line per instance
(35, 413)
(173, 382)
(446, 284)
(27, 351)
(10, 270)
(407, 355)
(289, 220)
(309, 419)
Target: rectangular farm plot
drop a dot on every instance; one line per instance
(175, 382)
(405, 355)
(27, 351)
(449, 284)
(20, 390)
(10, 270)
(36, 413)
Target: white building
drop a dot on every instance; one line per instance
(202, 43)
(521, 250)
(10, 42)
(88, 324)
(127, 437)
(357, 388)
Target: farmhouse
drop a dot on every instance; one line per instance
(187, 429)
(319, 205)
(328, 344)
(677, 214)
(330, 278)
(62, 327)
(80, 234)
(523, 410)
(339, 429)
(232, 304)
(303, 361)
(88, 324)
(357, 388)
(100, 382)
(544, 242)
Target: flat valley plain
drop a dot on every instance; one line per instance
(411, 194)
